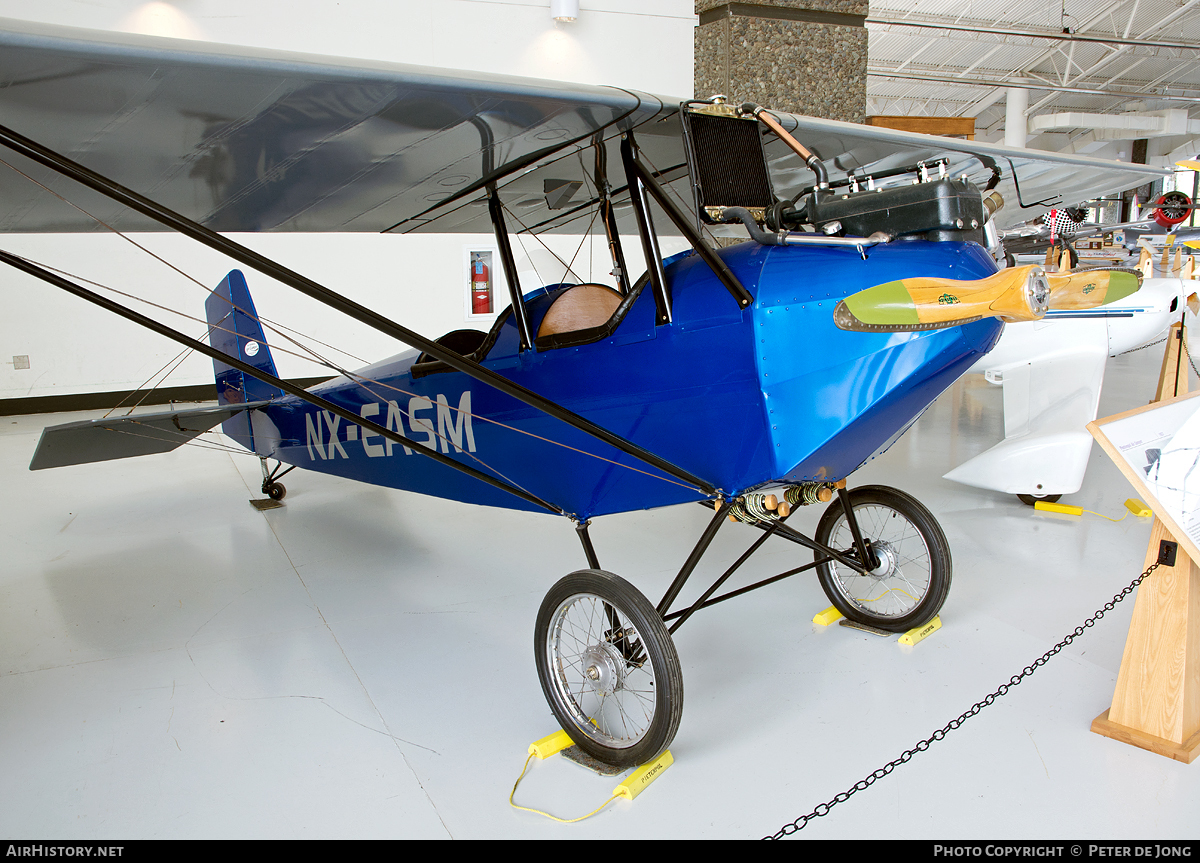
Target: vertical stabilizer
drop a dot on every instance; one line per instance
(234, 329)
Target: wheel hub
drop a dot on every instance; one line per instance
(886, 555)
(604, 667)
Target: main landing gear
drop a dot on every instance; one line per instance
(608, 667)
(605, 657)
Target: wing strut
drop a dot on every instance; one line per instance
(56, 162)
(609, 218)
(495, 209)
(645, 224)
(246, 368)
(641, 180)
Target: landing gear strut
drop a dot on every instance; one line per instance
(271, 486)
(604, 654)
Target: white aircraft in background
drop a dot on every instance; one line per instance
(1052, 371)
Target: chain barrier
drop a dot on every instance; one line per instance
(954, 724)
(1188, 351)
(1143, 347)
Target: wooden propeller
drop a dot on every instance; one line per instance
(1014, 294)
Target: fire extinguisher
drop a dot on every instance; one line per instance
(481, 288)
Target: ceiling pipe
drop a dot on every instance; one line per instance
(1156, 124)
(1035, 34)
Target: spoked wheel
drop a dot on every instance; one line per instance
(608, 668)
(912, 578)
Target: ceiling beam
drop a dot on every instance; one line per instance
(877, 72)
(1035, 34)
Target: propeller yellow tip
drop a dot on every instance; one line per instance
(886, 305)
(1121, 285)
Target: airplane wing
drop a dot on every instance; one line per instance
(272, 141)
(255, 140)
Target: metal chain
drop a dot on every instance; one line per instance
(954, 724)
(1143, 347)
(1187, 351)
(1191, 362)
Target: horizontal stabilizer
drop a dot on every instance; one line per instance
(128, 436)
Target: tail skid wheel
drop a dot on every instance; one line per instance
(912, 579)
(608, 668)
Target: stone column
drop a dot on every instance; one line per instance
(803, 56)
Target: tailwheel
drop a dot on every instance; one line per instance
(274, 490)
(608, 668)
(911, 578)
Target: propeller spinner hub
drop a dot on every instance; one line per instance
(1037, 291)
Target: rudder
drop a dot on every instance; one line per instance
(234, 329)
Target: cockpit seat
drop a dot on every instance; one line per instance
(579, 308)
(465, 342)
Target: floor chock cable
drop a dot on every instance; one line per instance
(634, 784)
(1134, 506)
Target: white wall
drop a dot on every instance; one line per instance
(73, 348)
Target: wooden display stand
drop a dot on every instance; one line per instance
(1156, 705)
(1173, 377)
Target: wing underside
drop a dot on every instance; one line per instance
(271, 141)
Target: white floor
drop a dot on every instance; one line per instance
(359, 663)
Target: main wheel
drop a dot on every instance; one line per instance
(274, 490)
(1031, 499)
(608, 668)
(912, 578)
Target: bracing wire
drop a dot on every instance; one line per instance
(673, 192)
(314, 356)
(266, 322)
(366, 384)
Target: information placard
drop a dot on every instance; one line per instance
(1157, 447)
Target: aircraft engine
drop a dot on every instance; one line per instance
(1172, 208)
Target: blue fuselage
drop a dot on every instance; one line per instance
(740, 397)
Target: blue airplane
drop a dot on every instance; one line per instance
(753, 378)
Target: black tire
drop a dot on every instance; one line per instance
(913, 578)
(275, 490)
(1031, 499)
(627, 710)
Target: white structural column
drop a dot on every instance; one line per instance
(1015, 125)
